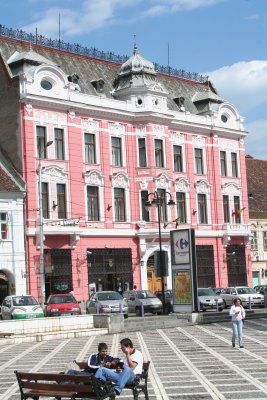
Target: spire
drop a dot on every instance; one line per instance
(135, 46)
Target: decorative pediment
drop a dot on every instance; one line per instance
(162, 181)
(140, 130)
(182, 185)
(117, 129)
(120, 180)
(159, 131)
(94, 178)
(225, 144)
(54, 173)
(198, 141)
(144, 184)
(177, 138)
(90, 125)
(231, 189)
(202, 186)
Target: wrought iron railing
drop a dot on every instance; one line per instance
(76, 48)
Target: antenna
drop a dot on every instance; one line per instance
(59, 29)
(36, 35)
(168, 56)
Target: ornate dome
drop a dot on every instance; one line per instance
(137, 64)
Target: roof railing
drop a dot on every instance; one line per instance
(92, 52)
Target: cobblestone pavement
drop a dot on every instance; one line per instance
(192, 362)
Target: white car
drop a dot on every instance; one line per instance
(21, 307)
(246, 295)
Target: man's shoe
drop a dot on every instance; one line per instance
(233, 344)
(117, 392)
(241, 347)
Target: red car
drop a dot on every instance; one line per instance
(61, 304)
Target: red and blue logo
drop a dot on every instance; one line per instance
(182, 244)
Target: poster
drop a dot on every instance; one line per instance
(180, 242)
(182, 287)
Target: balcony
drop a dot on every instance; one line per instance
(232, 230)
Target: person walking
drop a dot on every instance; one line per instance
(238, 314)
(132, 367)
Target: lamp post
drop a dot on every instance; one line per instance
(158, 201)
(41, 226)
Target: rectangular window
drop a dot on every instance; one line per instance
(93, 203)
(163, 206)
(4, 225)
(202, 208)
(181, 207)
(119, 205)
(142, 152)
(199, 161)
(265, 241)
(89, 148)
(237, 209)
(41, 141)
(226, 215)
(254, 241)
(234, 165)
(177, 158)
(45, 200)
(59, 144)
(159, 153)
(144, 198)
(61, 201)
(116, 151)
(223, 163)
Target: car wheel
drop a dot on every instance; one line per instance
(159, 313)
(224, 303)
(126, 316)
(221, 308)
(87, 311)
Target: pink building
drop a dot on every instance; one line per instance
(119, 133)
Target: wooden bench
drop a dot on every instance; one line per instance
(139, 386)
(4, 334)
(41, 384)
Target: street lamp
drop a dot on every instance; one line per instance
(158, 201)
(41, 227)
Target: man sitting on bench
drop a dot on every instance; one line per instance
(96, 360)
(126, 373)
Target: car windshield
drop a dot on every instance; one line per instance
(144, 294)
(245, 290)
(62, 299)
(24, 301)
(205, 292)
(109, 296)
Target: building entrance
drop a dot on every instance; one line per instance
(205, 266)
(4, 291)
(59, 279)
(236, 265)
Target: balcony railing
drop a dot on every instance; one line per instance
(237, 229)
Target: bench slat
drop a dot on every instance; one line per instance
(55, 387)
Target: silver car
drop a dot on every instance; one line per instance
(107, 302)
(208, 299)
(245, 294)
(135, 298)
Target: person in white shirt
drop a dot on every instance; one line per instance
(132, 367)
(238, 314)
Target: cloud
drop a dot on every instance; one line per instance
(256, 143)
(91, 15)
(243, 84)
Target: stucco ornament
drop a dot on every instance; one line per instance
(182, 185)
(202, 186)
(198, 141)
(28, 108)
(231, 189)
(158, 131)
(225, 144)
(94, 178)
(117, 129)
(140, 130)
(54, 173)
(72, 114)
(90, 125)
(177, 138)
(162, 181)
(120, 180)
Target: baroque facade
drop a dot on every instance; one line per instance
(107, 136)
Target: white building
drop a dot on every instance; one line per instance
(13, 277)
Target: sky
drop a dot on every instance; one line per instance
(225, 39)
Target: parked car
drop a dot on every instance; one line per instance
(151, 302)
(168, 299)
(61, 304)
(208, 299)
(21, 307)
(244, 293)
(107, 302)
(261, 289)
(217, 290)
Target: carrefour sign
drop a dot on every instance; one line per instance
(180, 246)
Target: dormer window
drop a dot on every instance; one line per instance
(74, 78)
(98, 85)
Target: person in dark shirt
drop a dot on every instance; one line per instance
(100, 359)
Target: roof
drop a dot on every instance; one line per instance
(89, 70)
(256, 182)
(10, 179)
(6, 183)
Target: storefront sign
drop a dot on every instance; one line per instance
(63, 222)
